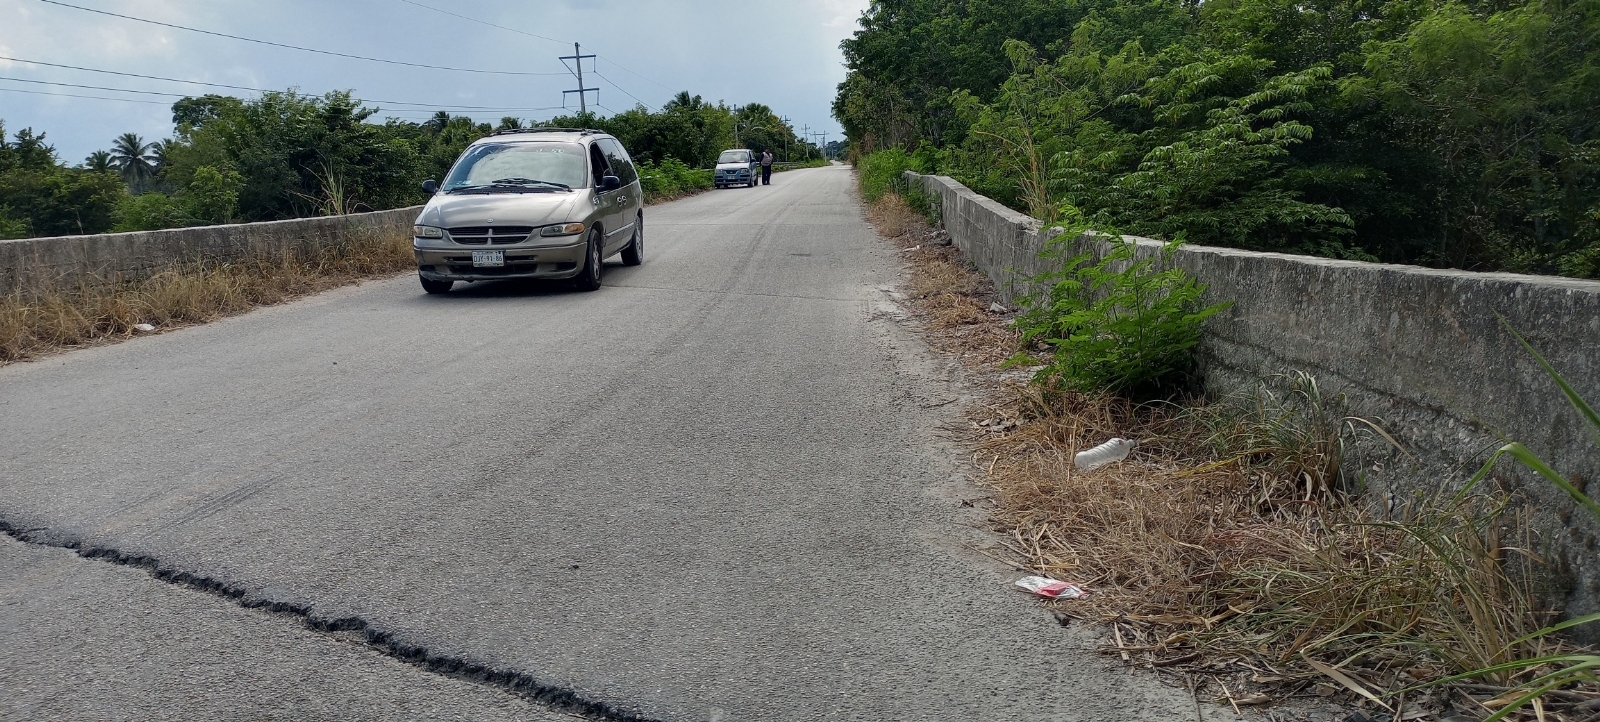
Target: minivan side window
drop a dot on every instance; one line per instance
(597, 163)
(621, 164)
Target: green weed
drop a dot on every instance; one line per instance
(1117, 323)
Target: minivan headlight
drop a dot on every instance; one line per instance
(562, 229)
(427, 232)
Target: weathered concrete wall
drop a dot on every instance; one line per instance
(1419, 350)
(31, 265)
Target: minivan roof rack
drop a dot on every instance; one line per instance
(584, 131)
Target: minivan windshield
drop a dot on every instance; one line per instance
(516, 167)
(734, 156)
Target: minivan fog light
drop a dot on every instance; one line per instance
(427, 232)
(562, 229)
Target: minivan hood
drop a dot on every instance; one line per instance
(506, 209)
(733, 166)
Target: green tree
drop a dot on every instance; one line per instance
(133, 160)
(213, 195)
(1451, 134)
(39, 197)
(100, 162)
(147, 212)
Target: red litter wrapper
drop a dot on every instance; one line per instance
(1051, 589)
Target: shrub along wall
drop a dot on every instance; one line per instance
(33, 265)
(1418, 350)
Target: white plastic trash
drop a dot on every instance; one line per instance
(143, 327)
(1113, 450)
(1051, 588)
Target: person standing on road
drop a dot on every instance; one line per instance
(766, 167)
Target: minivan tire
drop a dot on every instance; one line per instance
(435, 287)
(593, 265)
(633, 254)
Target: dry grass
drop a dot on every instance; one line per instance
(40, 323)
(952, 300)
(1224, 550)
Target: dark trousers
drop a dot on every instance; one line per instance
(766, 175)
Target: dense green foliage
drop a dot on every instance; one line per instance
(38, 197)
(1449, 134)
(671, 177)
(883, 172)
(287, 155)
(1115, 323)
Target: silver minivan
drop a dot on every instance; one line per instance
(540, 203)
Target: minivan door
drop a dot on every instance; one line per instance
(629, 199)
(609, 208)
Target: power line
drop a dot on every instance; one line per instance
(624, 91)
(233, 87)
(636, 75)
(483, 22)
(541, 37)
(73, 95)
(292, 47)
(93, 87)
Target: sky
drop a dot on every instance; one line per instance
(784, 53)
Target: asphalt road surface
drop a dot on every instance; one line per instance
(716, 489)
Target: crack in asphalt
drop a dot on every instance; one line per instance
(558, 698)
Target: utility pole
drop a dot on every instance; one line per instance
(577, 57)
(787, 131)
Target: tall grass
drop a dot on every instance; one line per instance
(37, 323)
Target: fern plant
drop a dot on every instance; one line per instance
(1118, 323)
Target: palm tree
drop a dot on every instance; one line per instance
(132, 158)
(100, 162)
(438, 122)
(159, 152)
(510, 123)
(684, 101)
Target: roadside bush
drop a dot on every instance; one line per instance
(1115, 324)
(882, 172)
(670, 179)
(148, 212)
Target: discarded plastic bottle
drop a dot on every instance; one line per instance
(1113, 450)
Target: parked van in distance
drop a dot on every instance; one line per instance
(531, 203)
(738, 166)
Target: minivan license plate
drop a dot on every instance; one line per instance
(488, 259)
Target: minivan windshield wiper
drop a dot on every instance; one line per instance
(529, 182)
(507, 184)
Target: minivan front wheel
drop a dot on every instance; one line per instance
(633, 254)
(589, 278)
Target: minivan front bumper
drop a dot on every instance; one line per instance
(455, 263)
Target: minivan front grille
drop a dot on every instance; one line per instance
(490, 235)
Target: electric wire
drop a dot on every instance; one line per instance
(74, 95)
(293, 47)
(235, 87)
(483, 22)
(624, 90)
(541, 37)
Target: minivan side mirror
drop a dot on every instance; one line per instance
(430, 186)
(610, 183)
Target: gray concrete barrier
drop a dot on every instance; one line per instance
(1418, 350)
(32, 265)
